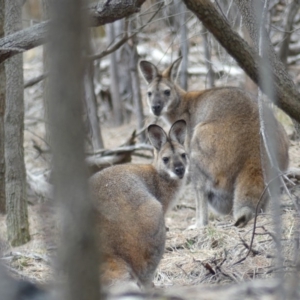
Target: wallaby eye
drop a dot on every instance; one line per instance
(183, 155)
(167, 92)
(149, 94)
(165, 159)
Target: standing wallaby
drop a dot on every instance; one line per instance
(223, 139)
(131, 202)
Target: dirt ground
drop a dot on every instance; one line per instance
(193, 256)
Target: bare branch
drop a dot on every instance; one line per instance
(285, 89)
(35, 80)
(124, 39)
(284, 49)
(99, 14)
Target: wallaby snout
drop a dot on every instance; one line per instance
(223, 141)
(179, 170)
(156, 108)
(131, 201)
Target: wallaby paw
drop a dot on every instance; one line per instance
(243, 216)
(197, 225)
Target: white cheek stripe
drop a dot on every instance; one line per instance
(172, 175)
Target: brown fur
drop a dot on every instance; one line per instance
(223, 141)
(131, 202)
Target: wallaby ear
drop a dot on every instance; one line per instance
(178, 131)
(148, 70)
(172, 71)
(157, 136)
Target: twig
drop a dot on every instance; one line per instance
(35, 80)
(255, 220)
(106, 152)
(125, 38)
(255, 252)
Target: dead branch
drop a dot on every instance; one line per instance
(246, 57)
(96, 164)
(112, 157)
(121, 149)
(35, 80)
(256, 289)
(99, 14)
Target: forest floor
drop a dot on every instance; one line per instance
(192, 256)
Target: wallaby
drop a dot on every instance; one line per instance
(132, 200)
(223, 139)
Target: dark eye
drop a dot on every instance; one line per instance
(165, 159)
(167, 92)
(183, 155)
(149, 94)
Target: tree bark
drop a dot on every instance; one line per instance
(207, 57)
(288, 97)
(16, 195)
(91, 106)
(99, 14)
(2, 110)
(114, 79)
(284, 49)
(45, 17)
(184, 45)
(248, 9)
(136, 88)
(78, 252)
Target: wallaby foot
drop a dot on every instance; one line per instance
(200, 223)
(243, 216)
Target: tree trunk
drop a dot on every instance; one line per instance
(99, 14)
(114, 79)
(2, 110)
(123, 62)
(284, 49)
(45, 17)
(286, 91)
(247, 9)
(78, 252)
(16, 195)
(184, 45)
(91, 106)
(207, 57)
(136, 88)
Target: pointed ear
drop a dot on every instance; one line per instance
(172, 71)
(148, 70)
(178, 131)
(157, 136)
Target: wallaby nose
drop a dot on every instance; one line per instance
(156, 109)
(179, 170)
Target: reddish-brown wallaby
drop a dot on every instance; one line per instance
(132, 200)
(223, 140)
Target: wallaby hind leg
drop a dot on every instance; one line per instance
(116, 272)
(247, 194)
(198, 181)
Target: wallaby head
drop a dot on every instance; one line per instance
(162, 92)
(170, 157)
